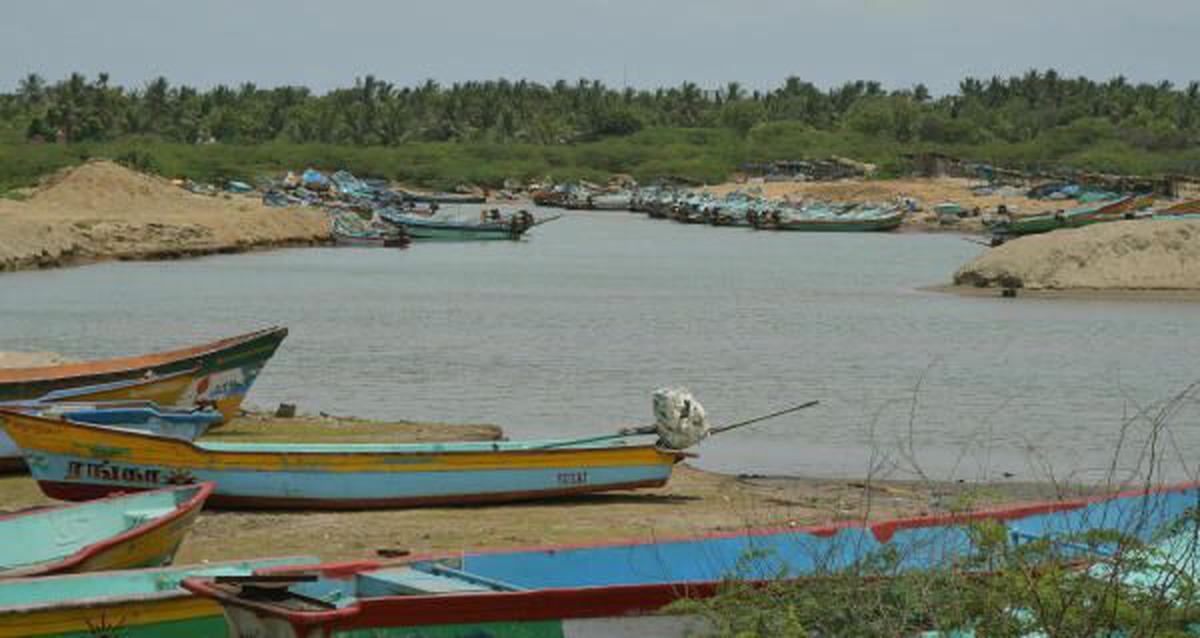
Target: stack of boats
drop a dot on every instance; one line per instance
(124, 438)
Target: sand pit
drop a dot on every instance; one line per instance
(928, 192)
(1117, 256)
(101, 210)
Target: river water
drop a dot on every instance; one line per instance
(569, 332)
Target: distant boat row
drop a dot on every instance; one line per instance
(734, 209)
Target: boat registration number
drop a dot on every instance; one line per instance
(572, 478)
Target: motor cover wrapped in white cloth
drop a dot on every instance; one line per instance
(679, 418)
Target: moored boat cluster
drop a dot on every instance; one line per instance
(373, 213)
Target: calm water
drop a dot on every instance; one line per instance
(568, 333)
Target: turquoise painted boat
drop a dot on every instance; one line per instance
(430, 229)
(142, 416)
(144, 603)
(76, 461)
(119, 532)
(618, 590)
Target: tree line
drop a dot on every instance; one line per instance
(1153, 117)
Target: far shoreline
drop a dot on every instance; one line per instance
(1074, 294)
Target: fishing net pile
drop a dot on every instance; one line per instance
(679, 418)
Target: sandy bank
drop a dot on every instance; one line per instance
(101, 210)
(32, 359)
(1127, 255)
(694, 502)
(928, 192)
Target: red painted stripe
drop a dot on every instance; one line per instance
(87, 491)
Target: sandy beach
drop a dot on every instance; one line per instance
(101, 211)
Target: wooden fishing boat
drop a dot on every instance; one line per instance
(370, 240)
(224, 370)
(444, 198)
(618, 589)
(1190, 207)
(168, 390)
(144, 416)
(422, 229)
(118, 532)
(143, 603)
(1113, 210)
(76, 461)
(833, 223)
(612, 201)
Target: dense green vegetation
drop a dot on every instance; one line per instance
(484, 132)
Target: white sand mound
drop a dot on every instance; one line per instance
(101, 210)
(1127, 255)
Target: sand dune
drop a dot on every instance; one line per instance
(1127, 255)
(101, 210)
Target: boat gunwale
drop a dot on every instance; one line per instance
(116, 599)
(118, 365)
(203, 451)
(543, 601)
(119, 385)
(188, 507)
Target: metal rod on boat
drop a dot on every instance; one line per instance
(734, 426)
(650, 429)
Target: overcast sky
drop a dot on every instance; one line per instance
(642, 43)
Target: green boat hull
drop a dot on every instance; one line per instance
(418, 233)
(866, 226)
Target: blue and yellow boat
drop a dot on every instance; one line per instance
(76, 461)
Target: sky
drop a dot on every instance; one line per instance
(639, 43)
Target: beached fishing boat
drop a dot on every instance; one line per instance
(1105, 211)
(75, 461)
(427, 229)
(224, 370)
(119, 532)
(444, 198)
(611, 201)
(134, 415)
(351, 230)
(370, 240)
(168, 390)
(830, 220)
(618, 590)
(1185, 208)
(143, 603)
